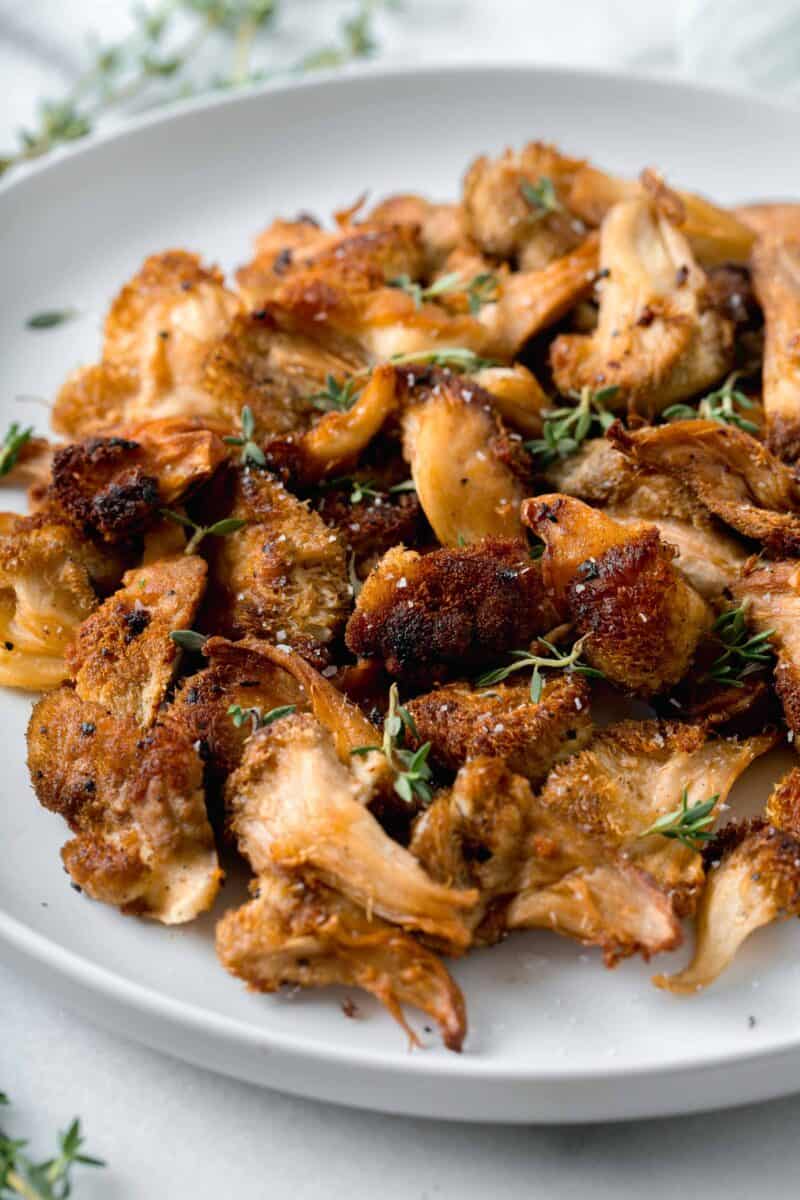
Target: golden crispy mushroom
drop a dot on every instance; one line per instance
(334, 443)
(294, 805)
(357, 257)
(536, 867)
(729, 472)
(516, 395)
(45, 595)
(776, 279)
(514, 206)
(754, 881)
(238, 674)
(658, 339)
(116, 486)
(122, 656)
(708, 556)
(770, 592)
(618, 586)
(771, 220)
(467, 489)
(530, 301)
(268, 363)
(434, 615)
(502, 721)
(602, 880)
(282, 577)
(717, 235)
(134, 800)
(302, 935)
(158, 334)
(439, 225)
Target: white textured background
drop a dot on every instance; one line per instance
(169, 1130)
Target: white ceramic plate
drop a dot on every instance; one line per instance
(553, 1036)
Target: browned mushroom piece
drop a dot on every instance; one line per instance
(619, 588)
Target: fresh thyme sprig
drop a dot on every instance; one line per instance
(688, 824)
(743, 654)
(482, 289)
(47, 1180)
(335, 396)
(419, 294)
(457, 357)
(719, 405)
(11, 446)
(218, 529)
(259, 720)
(340, 397)
(251, 452)
(411, 771)
(357, 41)
(541, 197)
(555, 662)
(565, 429)
(189, 639)
(362, 489)
(120, 72)
(139, 65)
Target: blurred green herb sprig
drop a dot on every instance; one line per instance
(50, 1179)
(164, 43)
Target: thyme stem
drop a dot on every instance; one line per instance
(556, 661)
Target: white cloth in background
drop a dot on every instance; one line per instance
(741, 44)
(43, 43)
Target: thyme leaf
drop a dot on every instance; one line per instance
(688, 824)
(419, 294)
(259, 720)
(11, 446)
(743, 654)
(457, 357)
(218, 529)
(51, 1179)
(482, 289)
(412, 774)
(541, 197)
(357, 42)
(251, 452)
(363, 489)
(188, 639)
(720, 405)
(335, 396)
(50, 317)
(565, 429)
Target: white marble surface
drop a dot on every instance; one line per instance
(169, 1130)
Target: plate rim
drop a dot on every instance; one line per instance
(368, 71)
(98, 981)
(146, 1001)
